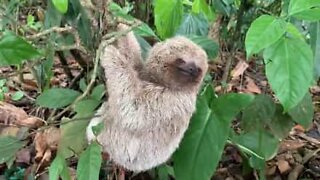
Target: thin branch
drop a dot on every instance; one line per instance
(48, 31)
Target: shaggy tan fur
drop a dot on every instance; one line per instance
(148, 110)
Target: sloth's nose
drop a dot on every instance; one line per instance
(190, 69)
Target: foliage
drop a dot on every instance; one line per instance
(203, 143)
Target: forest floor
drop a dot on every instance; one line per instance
(297, 158)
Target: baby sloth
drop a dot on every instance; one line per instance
(149, 105)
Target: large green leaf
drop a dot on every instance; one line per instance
(281, 123)
(168, 16)
(207, 44)
(194, 24)
(57, 97)
(309, 15)
(52, 16)
(315, 44)
(201, 6)
(90, 162)
(203, 143)
(145, 31)
(8, 147)
(61, 5)
(303, 112)
(289, 69)
(258, 113)
(263, 32)
(59, 168)
(260, 142)
(73, 131)
(298, 6)
(13, 50)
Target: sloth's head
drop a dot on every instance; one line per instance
(177, 63)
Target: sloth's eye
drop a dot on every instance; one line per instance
(180, 61)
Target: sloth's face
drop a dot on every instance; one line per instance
(186, 70)
(178, 63)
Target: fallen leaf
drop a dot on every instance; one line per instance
(283, 166)
(239, 69)
(271, 170)
(9, 113)
(31, 122)
(46, 140)
(23, 156)
(290, 145)
(251, 86)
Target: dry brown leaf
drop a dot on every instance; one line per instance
(290, 145)
(23, 156)
(251, 86)
(31, 122)
(283, 166)
(271, 170)
(46, 140)
(9, 113)
(239, 69)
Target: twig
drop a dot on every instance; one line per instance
(48, 31)
(72, 47)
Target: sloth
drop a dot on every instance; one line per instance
(149, 104)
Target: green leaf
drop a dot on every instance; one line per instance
(73, 139)
(258, 113)
(61, 5)
(281, 123)
(2, 82)
(13, 50)
(257, 163)
(86, 106)
(289, 69)
(98, 92)
(315, 44)
(303, 112)
(259, 141)
(90, 162)
(57, 97)
(17, 95)
(8, 147)
(309, 15)
(59, 168)
(145, 31)
(203, 143)
(52, 16)
(194, 24)
(164, 172)
(116, 10)
(168, 16)
(298, 6)
(293, 31)
(263, 32)
(83, 84)
(201, 6)
(207, 44)
(77, 14)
